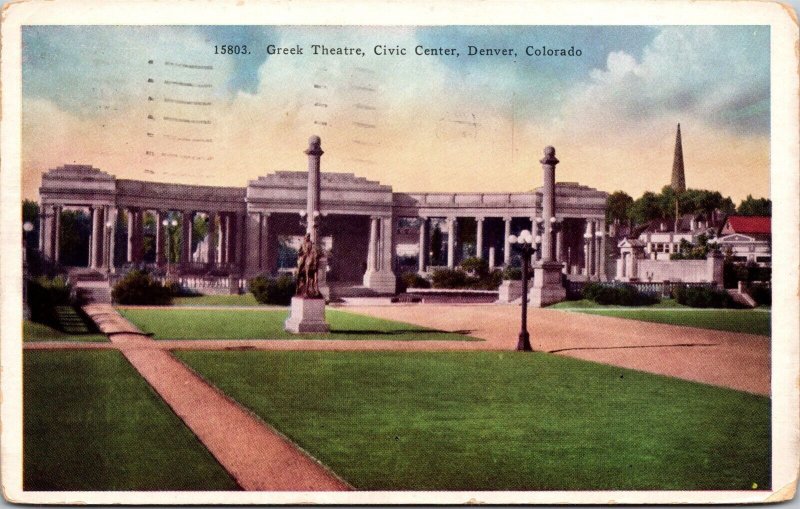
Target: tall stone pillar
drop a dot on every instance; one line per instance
(222, 239)
(47, 225)
(451, 241)
(372, 247)
(314, 153)
(97, 236)
(587, 263)
(479, 237)
(160, 234)
(241, 242)
(57, 234)
(308, 314)
(549, 163)
(187, 218)
(423, 243)
(547, 287)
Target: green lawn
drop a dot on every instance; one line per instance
(246, 299)
(33, 331)
(92, 423)
(171, 323)
(731, 320)
(499, 421)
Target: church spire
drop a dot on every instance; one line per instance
(678, 177)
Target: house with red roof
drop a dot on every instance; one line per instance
(747, 239)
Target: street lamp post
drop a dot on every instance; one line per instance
(167, 223)
(525, 242)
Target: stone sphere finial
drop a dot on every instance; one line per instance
(549, 156)
(314, 146)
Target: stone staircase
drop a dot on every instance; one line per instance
(71, 322)
(91, 286)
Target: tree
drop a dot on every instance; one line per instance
(755, 207)
(646, 208)
(618, 207)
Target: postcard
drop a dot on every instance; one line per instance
(286, 252)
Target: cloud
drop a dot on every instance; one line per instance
(717, 74)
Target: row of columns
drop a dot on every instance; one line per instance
(479, 237)
(379, 248)
(595, 249)
(226, 236)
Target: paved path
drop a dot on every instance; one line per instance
(734, 360)
(255, 455)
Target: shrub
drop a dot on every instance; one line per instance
(702, 297)
(413, 280)
(449, 278)
(622, 295)
(44, 294)
(138, 287)
(512, 273)
(475, 267)
(762, 294)
(268, 290)
(491, 280)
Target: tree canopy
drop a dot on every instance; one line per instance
(755, 207)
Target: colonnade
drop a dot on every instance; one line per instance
(225, 236)
(594, 244)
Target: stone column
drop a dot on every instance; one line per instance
(252, 251)
(187, 219)
(97, 236)
(372, 247)
(506, 243)
(222, 239)
(232, 254)
(57, 234)
(212, 238)
(560, 244)
(387, 244)
(160, 231)
(548, 163)
(451, 241)
(131, 228)
(42, 228)
(314, 153)
(587, 260)
(592, 240)
(601, 258)
(423, 243)
(479, 237)
(112, 234)
(264, 246)
(228, 237)
(491, 258)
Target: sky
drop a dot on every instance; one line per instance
(156, 103)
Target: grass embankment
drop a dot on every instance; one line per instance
(748, 321)
(71, 324)
(499, 421)
(92, 423)
(171, 323)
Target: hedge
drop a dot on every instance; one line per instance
(139, 287)
(277, 291)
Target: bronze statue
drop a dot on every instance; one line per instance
(307, 263)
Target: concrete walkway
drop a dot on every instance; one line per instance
(726, 359)
(256, 455)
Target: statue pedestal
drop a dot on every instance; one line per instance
(547, 288)
(306, 316)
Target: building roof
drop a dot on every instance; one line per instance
(749, 224)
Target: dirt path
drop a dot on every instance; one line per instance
(255, 455)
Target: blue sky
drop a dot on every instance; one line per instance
(114, 87)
